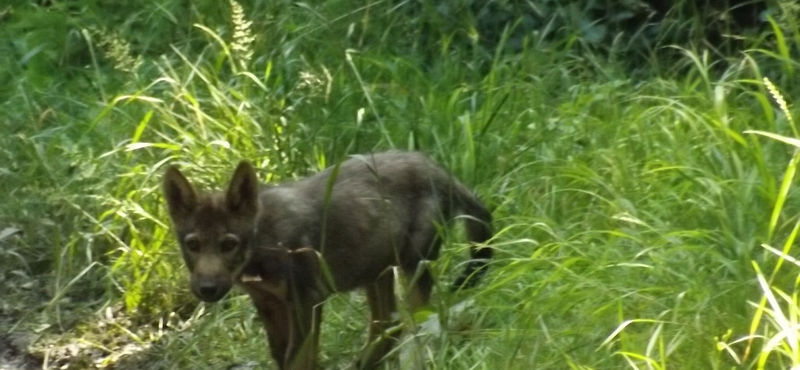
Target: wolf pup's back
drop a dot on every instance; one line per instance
(371, 212)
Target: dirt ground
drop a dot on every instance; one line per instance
(12, 357)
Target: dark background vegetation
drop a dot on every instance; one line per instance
(641, 222)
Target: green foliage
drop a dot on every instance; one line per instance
(632, 199)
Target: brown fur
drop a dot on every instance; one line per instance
(350, 223)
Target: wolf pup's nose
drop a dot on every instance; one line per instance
(210, 292)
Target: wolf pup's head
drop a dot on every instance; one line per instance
(214, 230)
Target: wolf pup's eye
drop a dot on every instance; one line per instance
(228, 243)
(192, 243)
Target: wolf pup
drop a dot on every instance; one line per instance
(290, 245)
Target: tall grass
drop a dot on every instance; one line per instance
(636, 219)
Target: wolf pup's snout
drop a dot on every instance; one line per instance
(210, 289)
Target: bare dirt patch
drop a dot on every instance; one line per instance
(13, 355)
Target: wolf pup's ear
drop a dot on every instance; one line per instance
(181, 196)
(242, 195)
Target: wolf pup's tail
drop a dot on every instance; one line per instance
(478, 222)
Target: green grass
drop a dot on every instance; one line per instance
(645, 213)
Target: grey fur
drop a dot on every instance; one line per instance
(382, 210)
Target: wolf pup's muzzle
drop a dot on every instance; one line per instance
(210, 289)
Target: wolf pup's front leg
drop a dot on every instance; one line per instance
(288, 292)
